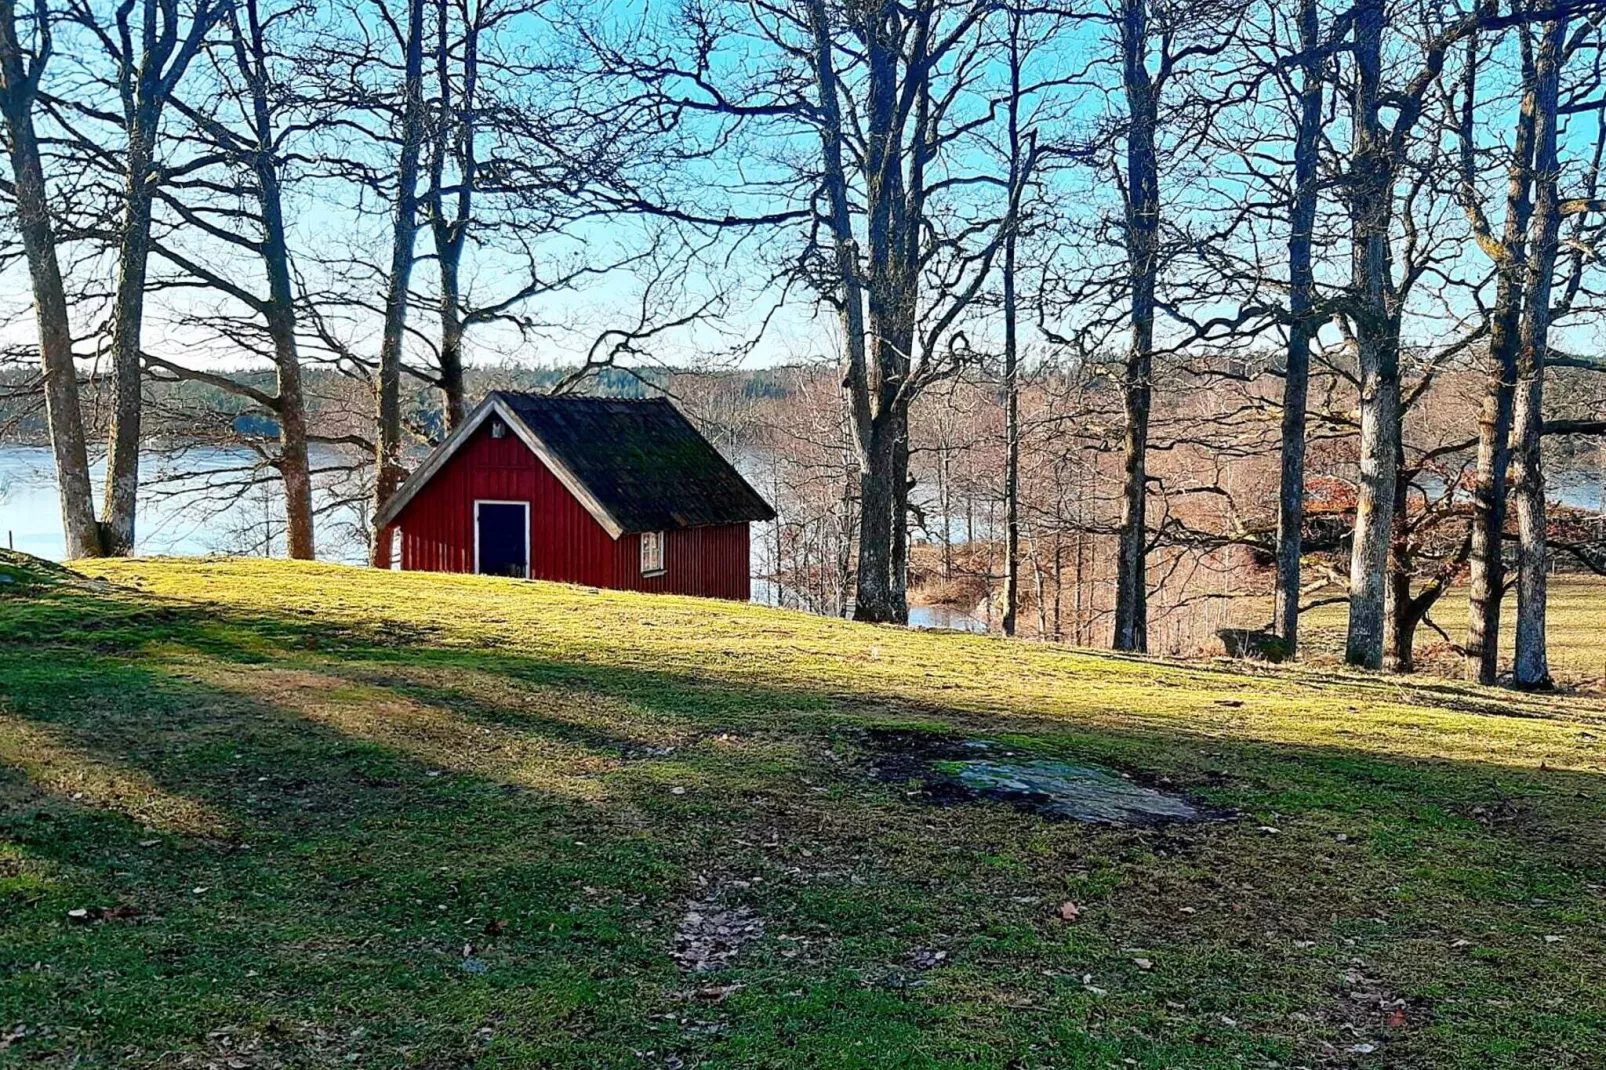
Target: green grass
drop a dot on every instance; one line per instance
(1575, 618)
(318, 792)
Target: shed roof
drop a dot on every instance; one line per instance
(636, 465)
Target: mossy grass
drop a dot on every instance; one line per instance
(324, 816)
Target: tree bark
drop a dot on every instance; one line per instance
(279, 311)
(1142, 246)
(454, 137)
(146, 82)
(388, 471)
(1301, 332)
(1530, 667)
(133, 256)
(1487, 573)
(1012, 356)
(1377, 345)
(19, 78)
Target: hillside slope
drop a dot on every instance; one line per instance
(316, 815)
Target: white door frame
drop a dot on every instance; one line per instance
(500, 501)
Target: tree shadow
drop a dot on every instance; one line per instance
(359, 863)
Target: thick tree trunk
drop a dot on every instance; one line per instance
(1531, 667)
(1377, 343)
(1301, 331)
(62, 409)
(1142, 246)
(1399, 625)
(872, 593)
(133, 255)
(388, 471)
(1487, 573)
(874, 599)
(1401, 632)
(453, 391)
(898, 568)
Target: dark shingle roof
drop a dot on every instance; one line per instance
(643, 462)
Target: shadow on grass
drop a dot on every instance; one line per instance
(385, 831)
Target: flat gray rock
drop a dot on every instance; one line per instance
(944, 770)
(1076, 791)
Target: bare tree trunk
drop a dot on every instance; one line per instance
(19, 80)
(451, 233)
(1531, 667)
(1142, 244)
(1377, 345)
(388, 472)
(1399, 626)
(898, 567)
(128, 311)
(1012, 356)
(871, 592)
(147, 73)
(279, 311)
(1487, 580)
(1301, 331)
(873, 601)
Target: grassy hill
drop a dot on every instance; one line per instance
(259, 814)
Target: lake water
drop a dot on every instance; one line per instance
(188, 508)
(189, 505)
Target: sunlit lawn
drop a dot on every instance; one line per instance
(326, 816)
(1575, 630)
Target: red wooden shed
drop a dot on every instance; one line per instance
(610, 492)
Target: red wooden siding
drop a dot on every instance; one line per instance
(566, 542)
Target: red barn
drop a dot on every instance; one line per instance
(610, 492)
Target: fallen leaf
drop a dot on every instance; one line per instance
(1397, 1018)
(716, 993)
(1069, 911)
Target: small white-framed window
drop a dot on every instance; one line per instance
(652, 552)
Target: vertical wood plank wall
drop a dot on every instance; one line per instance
(566, 543)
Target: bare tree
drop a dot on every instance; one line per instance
(22, 65)
(388, 468)
(1531, 667)
(1302, 325)
(148, 58)
(244, 129)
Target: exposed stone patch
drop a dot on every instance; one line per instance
(948, 770)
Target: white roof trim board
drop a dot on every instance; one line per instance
(493, 405)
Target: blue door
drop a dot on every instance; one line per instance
(502, 538)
